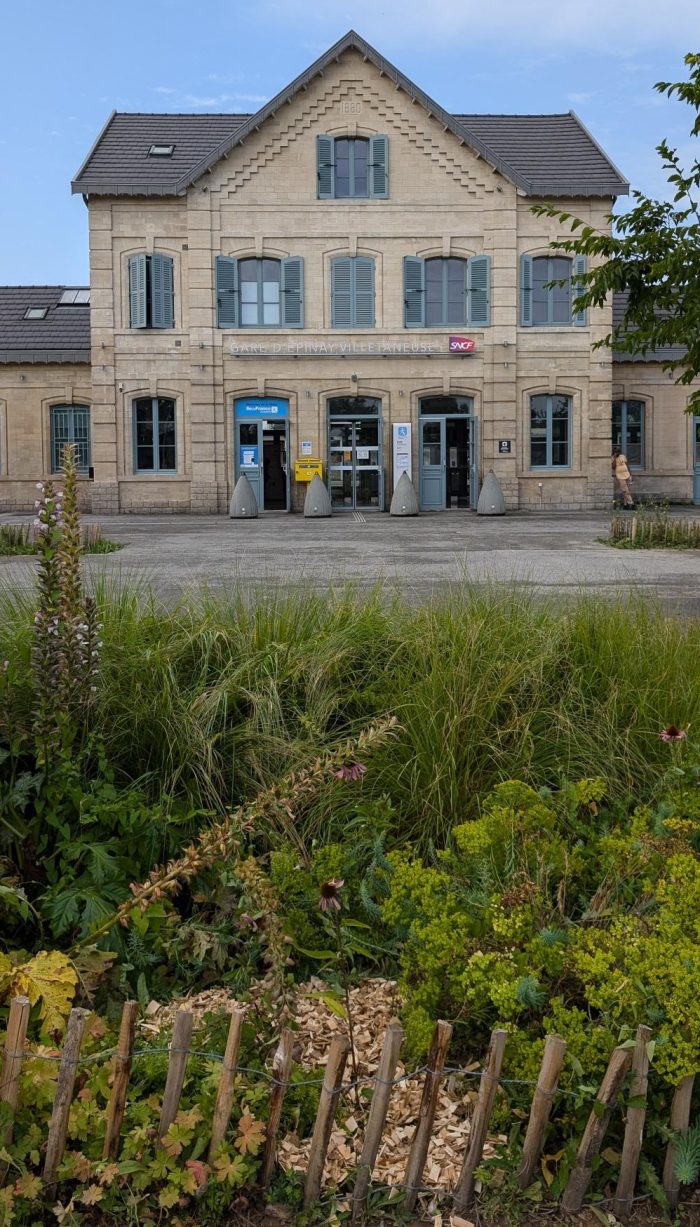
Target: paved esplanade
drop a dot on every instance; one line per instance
(551, 553)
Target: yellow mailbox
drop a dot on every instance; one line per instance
(307, 467)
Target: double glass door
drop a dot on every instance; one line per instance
(355, 464)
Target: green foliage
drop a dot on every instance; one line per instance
(653, 254)
(687, 1158)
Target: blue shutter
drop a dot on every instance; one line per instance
(226, 292)
(325, 167)
(580, 318)
(526, 291)
(137, 292)
(414, 292)
(293, 292)
(341, 292)
(363, 271)
(161, 291)
(379, 166)
(479, 286)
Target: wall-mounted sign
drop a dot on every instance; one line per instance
(249, 457)
(307, 447)
(353, 349)
(402, 450)
(261, 407)
(504, 447)
(462, 345)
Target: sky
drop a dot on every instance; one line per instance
(67, 65)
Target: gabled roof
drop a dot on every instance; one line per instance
(666, 353)
(515, 146)
(62, 336)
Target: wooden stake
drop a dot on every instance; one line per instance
(11, 1065)
(542, 1100)
(393, 1038)
(464, 1192)
(680, 1117)
(177, 1065)
(634, 1126)
(426, 1113)
(594, 1132)
(335, 1068)
(120, 1082)
(67, 1071)
(281, 1069)
(224, 1094)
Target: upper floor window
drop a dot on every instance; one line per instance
(151, 291)
(352, 292)
(628, 430)
(254, 293)
(451, 292)
(543, 301)
(154, 435)
(352, 167)
(70, 424)
(550, 432)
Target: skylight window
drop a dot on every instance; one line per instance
(36, 313)
(161, 151)
(74, 298)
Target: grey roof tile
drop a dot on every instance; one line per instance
(667, 353)
(541, 154)
(63, 336)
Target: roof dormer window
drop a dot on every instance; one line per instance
(74, 298)
(161, 151)
(36, 313)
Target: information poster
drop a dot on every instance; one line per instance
(402, 450)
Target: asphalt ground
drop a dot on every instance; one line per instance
(555, 554)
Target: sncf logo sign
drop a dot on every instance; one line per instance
(462, 345)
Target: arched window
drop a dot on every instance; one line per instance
(154, 435)
(447, 292)
(628, 430)
(259, 293)
(550, 432)
(70, 424)
(352, 167)
(548, 289)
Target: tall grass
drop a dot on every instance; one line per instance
(211, 700)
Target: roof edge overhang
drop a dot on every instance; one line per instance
(44, 357)
(351, 41)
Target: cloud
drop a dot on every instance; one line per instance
(164, 89)
(218, 100)
(595, 24)
(580, 99)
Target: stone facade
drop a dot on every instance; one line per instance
(261, 201)
(28, 391)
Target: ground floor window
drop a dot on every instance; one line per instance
(70, 424)
(154, 435)
(550, 432)
(628, 430)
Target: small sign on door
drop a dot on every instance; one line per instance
(249, 457)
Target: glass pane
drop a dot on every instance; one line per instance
(248, 433)
(144, 434)
(434, 282)
(249, 313)
(339, 406)
(341, 488)
(342, 168)
(540, 276)
(432, 453)
(249, 291)
(361, 150)
(447, 405)
(560, 453)
(367, 434)
(271, 313)
(247, 271)
(166, 434)
(617, 424)
(341, 435)
(538, 453)
(368, 488)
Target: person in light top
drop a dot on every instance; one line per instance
(623, 477)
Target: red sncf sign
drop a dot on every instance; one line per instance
(462, 345)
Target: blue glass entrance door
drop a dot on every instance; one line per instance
(696, 461)
(433, 464)
(249, 456)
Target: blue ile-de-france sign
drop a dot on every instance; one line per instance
(257, 407)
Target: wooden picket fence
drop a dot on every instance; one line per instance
(624, 1060)
(649, 531)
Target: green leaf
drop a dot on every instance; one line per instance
(598, 1109)
(651, 1048)
(322, 955)
(332, 1001)
(637, 1101)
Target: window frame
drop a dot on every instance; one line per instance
(443, 322)
(54, 443)
(259, 261)
(352, 193)
(356, 263)
(624, 403)
(549, 465)
(133, 290)
(155, 420)
(549, 290)
(377, 166)
(577, 269)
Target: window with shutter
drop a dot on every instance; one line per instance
(293, 292)
(260, 293)
(226, 292)
(580, 317)
(161, 291)
(151, 297)
(479, 291)
(352, 292)
(352, 167)
(414, 291)
(547, 290)
(138, 317)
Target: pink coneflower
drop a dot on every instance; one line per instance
(354, 771)
(329, 900)
(673, 734)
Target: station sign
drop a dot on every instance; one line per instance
(462, 345)
(257, 408)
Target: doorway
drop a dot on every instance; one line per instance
(355, 472)
(448, 453)
(262, 450)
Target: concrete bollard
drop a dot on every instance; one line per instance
(491, 500)
(317, 503)
(404, 501)
(243, 502)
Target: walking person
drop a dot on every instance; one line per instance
(623, 477)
